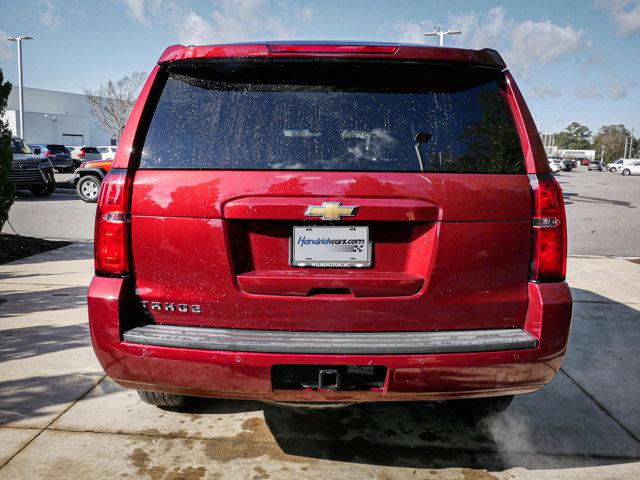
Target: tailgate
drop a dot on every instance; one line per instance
(423, 189)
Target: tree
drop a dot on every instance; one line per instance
(113, 101)
(574, 137)
(6, 157)
(612, 137)
(492, 143)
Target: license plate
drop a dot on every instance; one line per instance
(328, 247)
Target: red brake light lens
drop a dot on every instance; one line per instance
(49, 154)
(111, 242)
(331, 49)
(549, 243)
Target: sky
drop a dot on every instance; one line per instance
(574, 60)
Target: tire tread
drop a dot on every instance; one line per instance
(159, 399)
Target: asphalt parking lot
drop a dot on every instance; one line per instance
(602, 213)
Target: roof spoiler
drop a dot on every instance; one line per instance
(485, 57)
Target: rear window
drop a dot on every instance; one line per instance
(90, 150)
(362, 117)
(57, 148)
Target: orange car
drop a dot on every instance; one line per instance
(88, 178)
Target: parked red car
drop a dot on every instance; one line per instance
(319, 222)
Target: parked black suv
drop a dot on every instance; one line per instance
(29, 171)
(58, 154)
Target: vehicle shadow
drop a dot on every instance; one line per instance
(25, 342)
(81, 250)
(23, 196)
(561, 426)
(19, 302)
(41, 395)
(569, 198)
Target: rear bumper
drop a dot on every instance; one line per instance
(447, 372)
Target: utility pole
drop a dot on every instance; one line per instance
(625, 147)
(437, 31)
(19, 39)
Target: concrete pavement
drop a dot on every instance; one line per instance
(61, 418)
(62, 216)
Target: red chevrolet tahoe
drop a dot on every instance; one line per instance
(318, 222)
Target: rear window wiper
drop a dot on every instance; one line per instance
(420, 138)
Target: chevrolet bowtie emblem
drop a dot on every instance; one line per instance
(330, 211)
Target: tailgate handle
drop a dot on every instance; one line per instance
(383, 284)
(369, 209)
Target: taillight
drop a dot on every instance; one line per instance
(81, 153)
(111, 236)
(549, 247)
(49, 154)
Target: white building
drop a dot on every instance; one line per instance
(55, 117)
(553, 151)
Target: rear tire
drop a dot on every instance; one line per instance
(166, 400)
(612, 170)
(44, 191)
(626, 172)
(88, 188)
(475, 409)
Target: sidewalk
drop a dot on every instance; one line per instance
(61, 418)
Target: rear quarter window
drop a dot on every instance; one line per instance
(394, 124)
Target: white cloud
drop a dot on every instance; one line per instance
(544, 91)
(136, 9)
(523, 44)
(229, 21)
(534, 42)
(194, 29)
(624, 14)
(307, 13)
(618, 90)
(588, 93)
(407, 31)
(5, 48)
(241, 20)
(49, 17)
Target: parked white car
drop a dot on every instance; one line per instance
(108, 152)
(83, 153)
(620, 163)
(555, 168)
(631, 169)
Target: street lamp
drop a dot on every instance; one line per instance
(441, 33)
(19, 39)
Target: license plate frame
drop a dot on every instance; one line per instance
(359, 259)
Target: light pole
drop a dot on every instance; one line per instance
(441, 33)
(19, 39)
